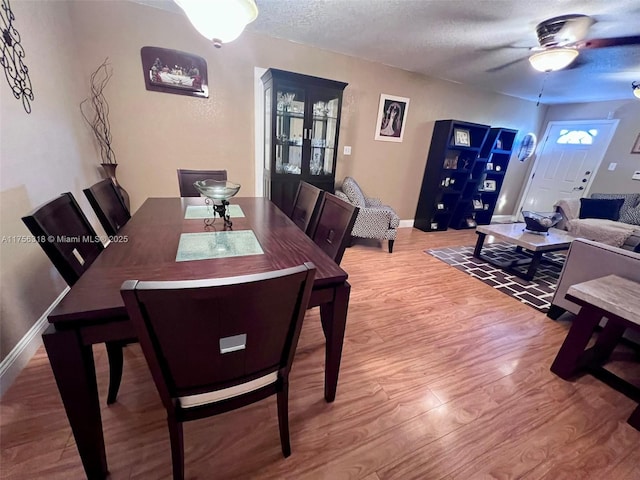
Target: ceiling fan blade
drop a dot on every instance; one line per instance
(608, 42)
(505, 65)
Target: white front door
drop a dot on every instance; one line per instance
(567, 160)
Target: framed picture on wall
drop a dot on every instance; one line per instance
(392, 118)
(636, 146)
(172, 71)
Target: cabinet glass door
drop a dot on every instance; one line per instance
(323, 134)
(289, 130)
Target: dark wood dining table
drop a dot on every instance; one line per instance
(93, 311)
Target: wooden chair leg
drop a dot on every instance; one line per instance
(114, 353)
(177, 447)
(283, 418)
(391, 246)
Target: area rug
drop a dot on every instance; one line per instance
(536, 293)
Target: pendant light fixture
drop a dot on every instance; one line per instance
(220, 21)
(553, 59)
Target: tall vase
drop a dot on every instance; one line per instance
(110, 170)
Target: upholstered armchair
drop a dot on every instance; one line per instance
(374, 219)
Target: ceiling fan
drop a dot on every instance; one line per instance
(561, 39)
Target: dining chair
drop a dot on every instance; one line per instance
(108, 205)
(332, 230)
(216, 345)
(186, 178)
(66, 236)
(305, 206)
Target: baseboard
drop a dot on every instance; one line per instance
(406, 224)
(20, 355)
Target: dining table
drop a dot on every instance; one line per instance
(177, 239)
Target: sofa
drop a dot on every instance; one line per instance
(619, 227)
(374, 219)
(587, 260)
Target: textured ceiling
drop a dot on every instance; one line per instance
(483, 43)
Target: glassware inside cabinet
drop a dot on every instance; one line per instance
(289, 130)
(323, 136)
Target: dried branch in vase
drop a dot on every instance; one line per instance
(95, 111)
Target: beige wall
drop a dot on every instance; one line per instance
(619, 151)
(42, 155)
(155, 133)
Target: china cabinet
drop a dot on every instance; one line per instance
(301, 126)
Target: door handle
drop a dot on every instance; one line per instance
(578, 188)
(584, 180)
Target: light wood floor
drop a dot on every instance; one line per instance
(442, 377)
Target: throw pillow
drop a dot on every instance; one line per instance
(600, 208)
(631, 216)
(630, 199)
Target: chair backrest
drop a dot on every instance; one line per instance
(332, 231)
(66, 236)
(305, 206)
(108, 205)
(201, 336)
(353, 192)
(187, 177)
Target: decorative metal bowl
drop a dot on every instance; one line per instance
(217, 190)
(541, 222)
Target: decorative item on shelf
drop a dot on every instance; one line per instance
(489, 185)
(392, 116)
(440, 206)
(450, 163)
(471, 222)
(499, 144)
(173, 71)
(477, 204)
(218, 193)
(540, 222)
(219, 22)
(96, 107)
(489, 166)
(15, 70)
(486, 206)
(434, 225)
(461, 137)
(498, 168)
(465, 163)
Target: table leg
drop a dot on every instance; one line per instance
(479, 243)
(533, 266)
(634, 419)
(334, 321)
(568, 360)
(74, 371)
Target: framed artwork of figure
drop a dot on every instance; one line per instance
(392, 116)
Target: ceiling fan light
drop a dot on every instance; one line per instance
(636, 89)
(220, 21)
(553, 59)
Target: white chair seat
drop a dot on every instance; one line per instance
(191, 401)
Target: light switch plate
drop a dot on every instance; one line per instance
(636, 175)
(612, 166)
(347, 150)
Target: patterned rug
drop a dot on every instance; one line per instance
(536, 293)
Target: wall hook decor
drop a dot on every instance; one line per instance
(12, 57)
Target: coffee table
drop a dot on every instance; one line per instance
(534, 245)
